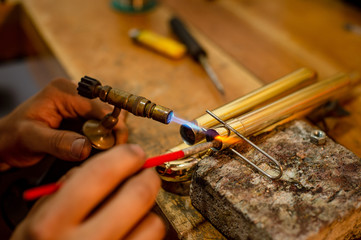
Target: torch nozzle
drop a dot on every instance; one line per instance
(139, 106)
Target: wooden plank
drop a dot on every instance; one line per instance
(244, 39)
(241, 40)
(273, 38)
(317, 26)
(186, 220)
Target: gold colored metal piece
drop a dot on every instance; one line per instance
(290, 107)
(181, 170)
(100, 132)
(282, 86)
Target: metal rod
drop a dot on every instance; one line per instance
(211, 74)
(280, 169)
(200, 147)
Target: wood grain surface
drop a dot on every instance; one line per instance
(249, 43)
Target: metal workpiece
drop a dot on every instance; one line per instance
(289, 107)
(181, 170)
(198, 148)
(267, 117)
(211, 135)
(137, 105)
(285, 85)
(191, 133)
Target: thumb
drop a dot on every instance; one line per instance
(66, 145)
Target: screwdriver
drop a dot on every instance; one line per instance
(195, 50)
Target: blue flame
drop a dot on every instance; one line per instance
(181, 121)
(170, 117)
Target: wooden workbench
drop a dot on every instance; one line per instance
(249, 43)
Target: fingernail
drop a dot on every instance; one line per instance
(77, 147)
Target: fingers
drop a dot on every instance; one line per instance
(92, 182)
(63, 95)
(89, 109)
(121, 130)
(125, 208)
(68, 174)
(151, 227)
(74, 212)
(65, 145)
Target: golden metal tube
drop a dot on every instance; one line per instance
(288, 107)
(295, 105)
(181, 170)
(282, 86)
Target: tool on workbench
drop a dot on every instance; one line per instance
(263, 119)
(166, 46)
(100, 132)
(195, 50)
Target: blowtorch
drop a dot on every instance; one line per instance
(100, 132)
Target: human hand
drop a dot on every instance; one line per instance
(90, 206)
(29, 132)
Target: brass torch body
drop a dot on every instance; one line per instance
(137, 105)
(100, 132)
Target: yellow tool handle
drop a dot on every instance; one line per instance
(158, 43)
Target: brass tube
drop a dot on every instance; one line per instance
(289, 106)
(137, 105)
(282, 86)
(293, 106)
(294, 80)
(181, 170)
